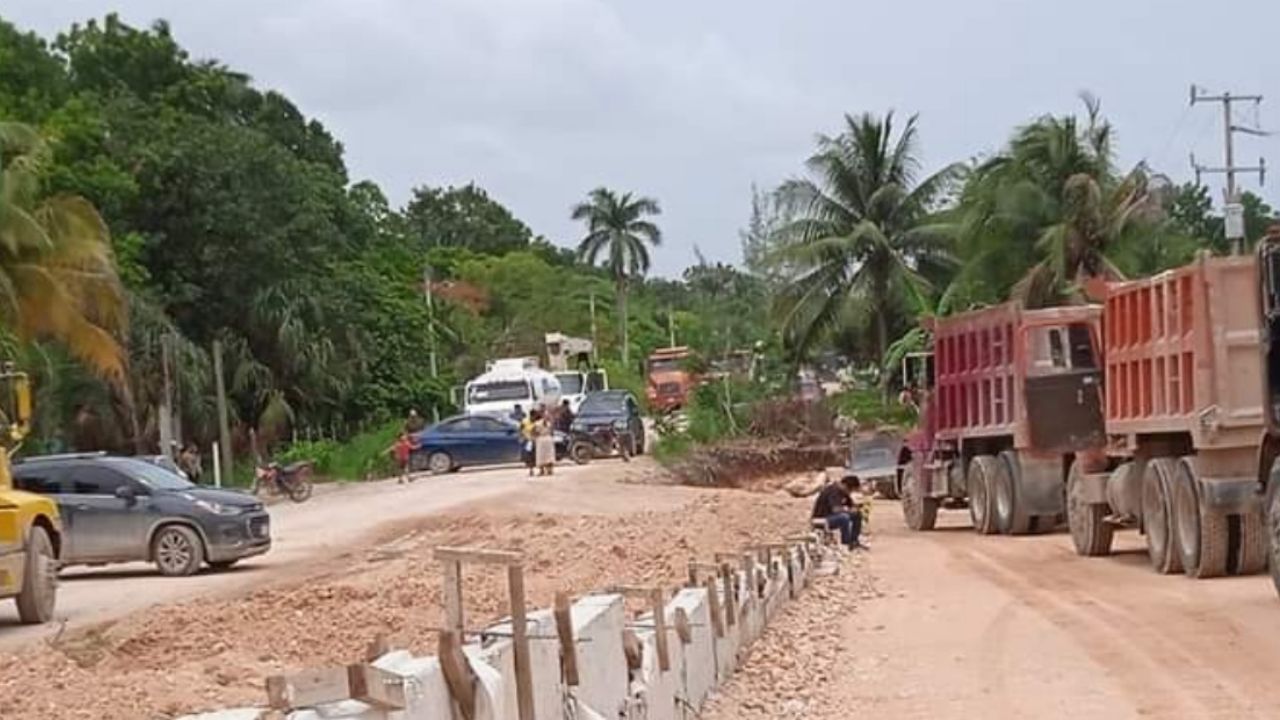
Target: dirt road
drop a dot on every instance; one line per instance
(970, 626)
(328, 525)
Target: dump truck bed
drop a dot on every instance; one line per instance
(975, 394)
(1182, 354)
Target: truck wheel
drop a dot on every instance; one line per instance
(982, 472)
(39, 591)
(1273, 533)
(1158, 518)
(919, 510)
(1201, 536)
(1090, 532)
(1252, 557)
(1011, 516)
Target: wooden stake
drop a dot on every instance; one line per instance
(730, 595)
(520, 641)
(453, 614)
(713, 605)
(683, 630)
(660, 627)
(457, 673)
(378, 647)
(568, 650)
(632, 648)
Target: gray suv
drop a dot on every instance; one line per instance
(120, 509)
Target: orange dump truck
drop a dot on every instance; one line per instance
(669, 379)
(1009, 400)
(1184, 420)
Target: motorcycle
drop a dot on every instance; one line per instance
(292, 480)
(586, 445)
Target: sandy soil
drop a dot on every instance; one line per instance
(958, 625)
(579, 532)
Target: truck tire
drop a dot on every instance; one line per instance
(918, 510)
(1158, 518)
(1011, 515)
(1273, 533)
(1090, 532)
(982, 472)
(1252, 557)
(39, 591)
(1201, 535)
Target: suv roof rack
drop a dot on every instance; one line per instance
(62, 456)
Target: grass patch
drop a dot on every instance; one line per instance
(362, 456)
(868, 407)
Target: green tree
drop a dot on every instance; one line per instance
(57, 279)
(1050, 210)
(618, 231)
(857, 230)
(463, 217)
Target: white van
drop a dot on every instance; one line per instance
(510, 382)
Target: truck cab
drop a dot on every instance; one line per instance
(670, 380)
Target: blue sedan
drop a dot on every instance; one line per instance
(470, 440)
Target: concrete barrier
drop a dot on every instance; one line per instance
(606, 688)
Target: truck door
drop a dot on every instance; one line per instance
(1062, 389)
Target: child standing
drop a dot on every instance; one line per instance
(403, 450)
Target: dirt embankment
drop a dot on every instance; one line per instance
(215, 653)
(744, 463)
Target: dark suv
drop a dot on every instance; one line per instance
(121, 509)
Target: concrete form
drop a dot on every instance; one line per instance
(607, 688)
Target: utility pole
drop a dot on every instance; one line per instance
(224, 426)
(431, 331)
(1233, 212)
(671, 327)
(595, 354)
(166, 401)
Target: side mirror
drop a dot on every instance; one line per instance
(127, 493)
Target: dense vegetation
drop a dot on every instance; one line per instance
(224, 214)
(153, 205)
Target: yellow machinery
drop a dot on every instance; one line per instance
(30, 530)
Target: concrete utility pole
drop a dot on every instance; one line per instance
(431, 331)
(595, 354)
(1232, 209)
(224, 425)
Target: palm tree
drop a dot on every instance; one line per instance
(858, 230)
(57, 274)
(618, 230)
(1051, 211)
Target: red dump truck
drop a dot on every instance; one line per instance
(1009, 400)
(1185, 421)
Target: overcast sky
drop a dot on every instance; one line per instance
(692, 101)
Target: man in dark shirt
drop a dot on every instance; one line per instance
(835, 506)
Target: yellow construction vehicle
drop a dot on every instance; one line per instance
(30, 529)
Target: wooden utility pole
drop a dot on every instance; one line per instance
(224, 426)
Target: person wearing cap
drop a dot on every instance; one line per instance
(835, 506)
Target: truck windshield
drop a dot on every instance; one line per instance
(497, 391)
(570, 383)
(1058, 349)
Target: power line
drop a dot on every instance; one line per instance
(1233, 211)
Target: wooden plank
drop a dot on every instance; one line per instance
(457, 673)
(520, 642)
(568, 649)
(376, 687)
(693, 574)
(454, 617)
(713, 604)
(660, 627)
(684, 630)
(307, 688)
(479, 555)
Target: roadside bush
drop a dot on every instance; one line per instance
(868, 407)
(362, 456)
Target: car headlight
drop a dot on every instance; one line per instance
(218, 508)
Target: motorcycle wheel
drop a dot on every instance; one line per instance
(299, 487)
